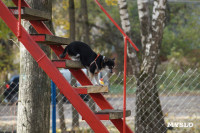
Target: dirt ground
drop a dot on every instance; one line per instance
(175, 108)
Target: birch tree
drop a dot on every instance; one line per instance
(34, 85)
(126, 26)
(149, 116)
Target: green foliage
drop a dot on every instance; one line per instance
(4, 30)
(178, 81)
(181, 35)
(7, 56)
(117, 84)
(111, 2)
(61, 18)
(7, 52)
(180, 38)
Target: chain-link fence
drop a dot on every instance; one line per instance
(179, 93)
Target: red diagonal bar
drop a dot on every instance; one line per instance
(40, 38)
(118, 27)
(81, 91)
(19, 18)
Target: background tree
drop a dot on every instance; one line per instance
(75, 114)
(59, 98)
(149, 117)
(8, 51)
(86, 39)
(126, 26)
(180, 40)
(85, 22)
(34, 88)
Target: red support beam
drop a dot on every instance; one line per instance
(118, 27)
(124, 100)
(60, 64)
(19, 19)
(81, 91)
(39, 38)
(101, 117)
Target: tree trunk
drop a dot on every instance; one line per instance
(72, 20)
(34, 88)
(85, 23)
(149, 116)
(125, 22)
(60, 103)
(61, 112)
(86, 39)
(75, 115)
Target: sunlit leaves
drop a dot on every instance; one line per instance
(111, 2)
(65, 4)
(60, 18)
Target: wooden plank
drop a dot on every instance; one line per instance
(31, 14)
(50, 39)
(94, 89)
(68, 64)
(114, 114)
(73, 64)
(55, 40)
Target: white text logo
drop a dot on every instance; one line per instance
(180, 124)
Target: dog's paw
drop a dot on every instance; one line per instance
(100, 85)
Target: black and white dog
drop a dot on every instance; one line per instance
(94, 63)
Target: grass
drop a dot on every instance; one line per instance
(118, 89)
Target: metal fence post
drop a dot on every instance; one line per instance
(53, 102)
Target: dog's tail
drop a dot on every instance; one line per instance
(64, 53)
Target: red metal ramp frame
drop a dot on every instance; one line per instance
(46, 64)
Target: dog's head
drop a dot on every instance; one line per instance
(109, 63)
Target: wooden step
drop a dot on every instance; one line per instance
(91, 89)
(49, 39)
(110, 114)
(68, 64)
(31, 14)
